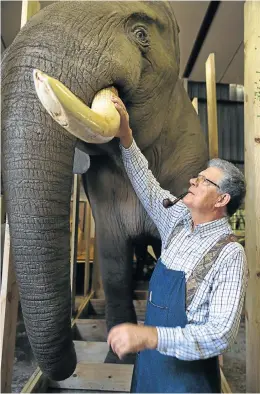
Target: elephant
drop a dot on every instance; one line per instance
(89, 46)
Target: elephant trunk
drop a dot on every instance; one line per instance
(37, 178)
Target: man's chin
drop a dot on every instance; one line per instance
(187, 200)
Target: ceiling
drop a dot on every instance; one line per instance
(224, 36)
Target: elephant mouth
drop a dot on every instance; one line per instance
(97, 125)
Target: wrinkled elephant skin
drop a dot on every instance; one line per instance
(89, 46)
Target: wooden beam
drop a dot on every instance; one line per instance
(74, 238)
(224, 384)
(82, 308)
(212, 118)
(9, 308)
(195, 104)
(212, 106)
(29, 8)
(252, 206)
(87, 230)
(37, 383)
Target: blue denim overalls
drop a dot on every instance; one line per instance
(166, 307)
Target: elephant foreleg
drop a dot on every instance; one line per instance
(116, 266)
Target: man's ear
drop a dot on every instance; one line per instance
(223, 200)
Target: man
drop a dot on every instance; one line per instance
(197, 289)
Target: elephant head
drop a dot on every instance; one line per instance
(88, 46)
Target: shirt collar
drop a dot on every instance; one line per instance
(209, 228)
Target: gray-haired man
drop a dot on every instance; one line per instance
(197, 289)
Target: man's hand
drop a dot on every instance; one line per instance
(131, 338)
(124, 132)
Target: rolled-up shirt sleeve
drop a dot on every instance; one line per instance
(149, 190)
(200, 341)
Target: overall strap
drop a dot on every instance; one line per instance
(204, 266)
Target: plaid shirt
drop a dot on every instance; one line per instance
(215, 311)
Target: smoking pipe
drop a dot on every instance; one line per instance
(167, 203)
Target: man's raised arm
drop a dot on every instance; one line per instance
(143, 181)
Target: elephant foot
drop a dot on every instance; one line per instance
(112, 358)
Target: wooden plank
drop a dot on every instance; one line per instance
(224, 384)
(91, 352)
(92, 330)
(9, 308)
(74, 238)
(252, 206)
(195, 104)
(29, 8)
(212, 106)
(87, 231)
(108, 377)
(37, 383)
(82, 308)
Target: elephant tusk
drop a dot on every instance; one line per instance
(97, 125)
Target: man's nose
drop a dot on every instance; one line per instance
(193, 181)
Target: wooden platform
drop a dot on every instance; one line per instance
(92, 374)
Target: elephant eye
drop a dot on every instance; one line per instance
(141, 35)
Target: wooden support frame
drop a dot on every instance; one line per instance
(74, 238)
(9, 308)
(87, 229)
(212, 106)
(252, 173)
(29, 8)
(212, 122)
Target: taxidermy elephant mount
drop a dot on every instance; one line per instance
(89, 46)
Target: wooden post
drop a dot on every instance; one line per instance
(9, 307)
(87, 229)
(252, 206)
(29, 8)
(212, 122)
(74, 238)
(212, 106)
(195, 104)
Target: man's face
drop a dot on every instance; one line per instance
(203, 195)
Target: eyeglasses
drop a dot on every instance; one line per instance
(202, 179)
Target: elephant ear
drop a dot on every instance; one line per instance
(81, 161)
